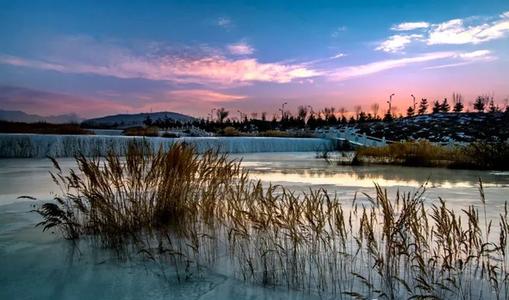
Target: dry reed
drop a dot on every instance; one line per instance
(191, 210)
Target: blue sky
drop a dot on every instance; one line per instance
(101, 57)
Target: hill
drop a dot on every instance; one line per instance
(20, 116)
(129, 120)
(442, 127)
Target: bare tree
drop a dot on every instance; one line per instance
(375, 107)
(357, 109)
(222, 114)
(302, 112)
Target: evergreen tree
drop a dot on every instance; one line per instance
(388, 117)
(480, 104)
(148, 121)
(445, 107)
(458, 107)
(410, 111)
(493, 108)
(423, 106)
(436, 107)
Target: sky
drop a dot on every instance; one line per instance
(95, 58)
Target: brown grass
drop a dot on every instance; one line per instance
(141, 131)
(274, 133)
(188, 211)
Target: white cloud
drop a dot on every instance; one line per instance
(241, 48)
(468, 58)
(339, 55)
(350, 72)
(398, 42)
(410, 26)
(224, 22)
(455, 32)
(337, 32)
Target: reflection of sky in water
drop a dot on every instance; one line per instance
(304, 168)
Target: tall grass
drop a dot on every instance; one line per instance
(194, 212)
(477, 155)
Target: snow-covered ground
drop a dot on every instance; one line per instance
(36, 265)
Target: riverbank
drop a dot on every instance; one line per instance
(479, 155)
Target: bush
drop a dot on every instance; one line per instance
(230, 131)
(141, 131)
(274, 133)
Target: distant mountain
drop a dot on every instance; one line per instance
(128, 120)
(19, 116)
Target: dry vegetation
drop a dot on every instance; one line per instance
(141, 131)
(478, 155)
(191, 212)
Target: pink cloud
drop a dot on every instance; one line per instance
(350, 72)
(207, 68)
(241, 48)
(205, 95)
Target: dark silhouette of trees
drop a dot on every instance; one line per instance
(410, 111)
(480, 104)
(457, 99)
(445, 107)
(222, 114)
(437, 107)
(423, 106)
(492, 107)
(148, 121)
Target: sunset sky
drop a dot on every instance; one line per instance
(105, 57)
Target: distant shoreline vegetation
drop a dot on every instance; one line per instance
(42, 128)
(479, 155)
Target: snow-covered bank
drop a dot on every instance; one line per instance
(36, 146)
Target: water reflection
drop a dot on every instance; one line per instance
(300, 168)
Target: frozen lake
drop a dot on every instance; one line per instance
(39, 265)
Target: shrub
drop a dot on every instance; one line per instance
(230, 131)
(141, 131)
(274, 133)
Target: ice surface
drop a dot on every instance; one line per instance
(36, 265)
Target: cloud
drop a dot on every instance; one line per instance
(455, 32)
(468, 58)
(224, 22)
(339, 55)
(410, 26)
(398, 42)
(337, 32)
(50, 103)
(350, 72)
(241, 48)
(204, 95)
(209, 68)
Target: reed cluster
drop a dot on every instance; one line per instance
(199, 211)
(485, 154)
